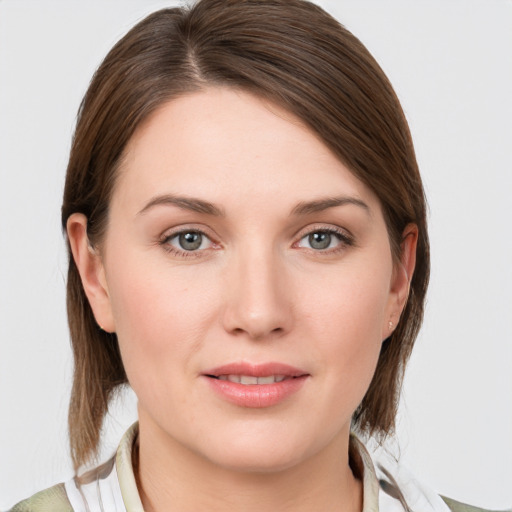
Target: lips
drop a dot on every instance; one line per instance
(256, 370)
(255, 386)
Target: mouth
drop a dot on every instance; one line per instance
(256, 386)
(250, 374)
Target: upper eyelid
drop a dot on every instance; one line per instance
(323, 227)
(172, 232)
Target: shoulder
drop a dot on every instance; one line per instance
(391, 486)
(457, 506)
(53, 499)
(110, 486)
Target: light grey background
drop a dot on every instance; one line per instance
(450, 62)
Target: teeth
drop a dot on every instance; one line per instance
(247, 379)
(250, 380)
(267, 380)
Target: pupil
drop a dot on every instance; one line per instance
(190, 241)
(320, 240)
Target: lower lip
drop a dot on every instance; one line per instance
(256, 395)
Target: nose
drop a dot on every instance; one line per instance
(259, 303)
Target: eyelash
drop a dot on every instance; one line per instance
(345, 239)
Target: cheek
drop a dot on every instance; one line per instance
(159, 313)
(348, 306)
(345, 316)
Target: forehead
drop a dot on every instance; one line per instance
(221, 141)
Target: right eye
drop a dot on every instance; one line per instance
(188, 241)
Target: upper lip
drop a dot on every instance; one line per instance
(256, 370)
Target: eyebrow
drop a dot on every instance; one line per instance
(185, 203)
(205, 207)
(306, 208)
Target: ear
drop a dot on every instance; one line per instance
(91, 270)
(401, 280)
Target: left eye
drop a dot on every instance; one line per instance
(320, 240)
(189, 241)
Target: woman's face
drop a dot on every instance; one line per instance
(249, 278)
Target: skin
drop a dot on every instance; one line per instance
(255, 291)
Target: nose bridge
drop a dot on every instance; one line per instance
(258, 303)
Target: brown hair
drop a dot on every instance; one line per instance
(292, 53)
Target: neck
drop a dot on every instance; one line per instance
(172, 478)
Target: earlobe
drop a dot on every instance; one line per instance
(91, 270)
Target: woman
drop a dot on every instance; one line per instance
(249, 251)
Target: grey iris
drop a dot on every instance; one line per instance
(190, 241)
(320, 240)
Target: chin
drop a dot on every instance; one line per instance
(258, 452)
(256, 461)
